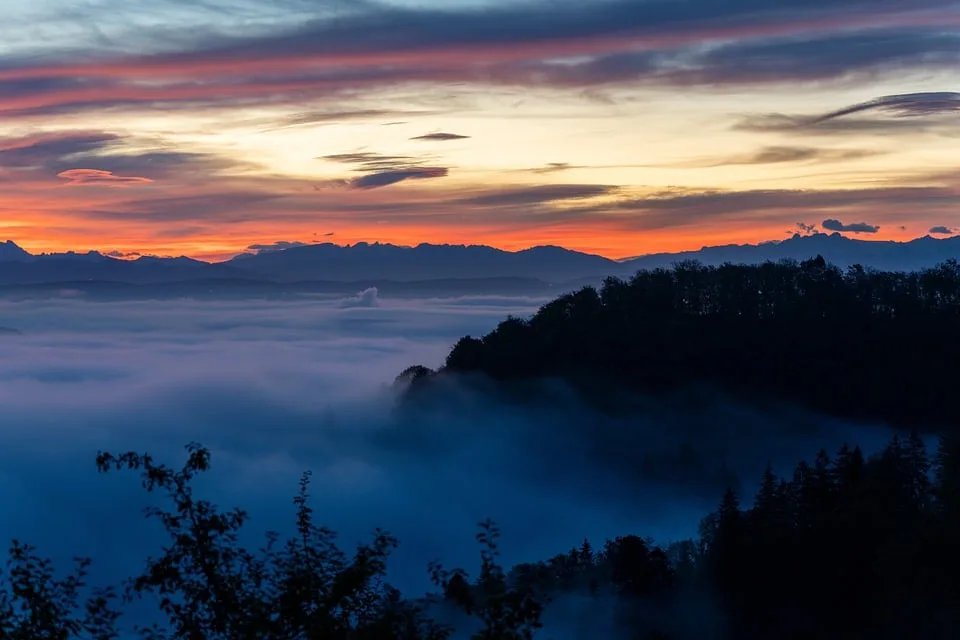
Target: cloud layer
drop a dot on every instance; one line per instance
(278, 388)
(507, 43)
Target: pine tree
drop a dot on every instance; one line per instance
(947, 476)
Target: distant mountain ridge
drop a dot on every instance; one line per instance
(363, 261)
(375, 262)
(887, 255)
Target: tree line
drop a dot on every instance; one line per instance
(859, 343)
(847, 546)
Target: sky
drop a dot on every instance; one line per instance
(278, 388)
(618, 127)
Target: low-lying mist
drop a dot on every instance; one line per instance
(274, 389)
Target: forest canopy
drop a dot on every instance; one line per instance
(849, 546)
(859, 343)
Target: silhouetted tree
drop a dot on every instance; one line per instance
(806, 332)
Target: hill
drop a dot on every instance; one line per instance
(862, 344)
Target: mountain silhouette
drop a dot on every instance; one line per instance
(327, 268)
(887, 255)
(424, 262)
(10, 252)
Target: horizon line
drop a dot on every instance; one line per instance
(247, 251)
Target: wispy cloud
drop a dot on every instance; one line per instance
(657, 42)
(45, 149)
(340, 116)
(387, 178)
(440, 137)
(384, 170)
(526, 195)
(279, 245)
(786, 154)
(911, 112)
(905, 105)
(372, 161)
(805, 125)
(553, 167)
(96, 177)
(698, 209)
(92, 157)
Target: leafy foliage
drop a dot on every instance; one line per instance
(37, 605)
(209, 587)
(862, 547)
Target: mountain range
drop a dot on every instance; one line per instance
(424, 269)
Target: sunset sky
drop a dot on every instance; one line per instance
(618, 127)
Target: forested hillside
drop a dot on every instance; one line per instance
(861, 343)
(847, 547)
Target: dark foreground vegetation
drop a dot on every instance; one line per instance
(860, 344)
(847, 547)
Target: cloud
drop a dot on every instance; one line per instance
(96, 177)
(440, 137)
(384, 170)
(369, 297)
(278, 387)
(786, 154)
(522, 214)
(118, 159)
(747, 62)
(831, 224)
(690, 207)
(275, 388)
(227, 204)
(902, 106)
(516, 196)
(42, 149)
(279, 245)
(911, 112)
(941, 230)
(321, 58)
(335, 116)
(806, 125)
(553, 167)
(371, 161)
(387, 178)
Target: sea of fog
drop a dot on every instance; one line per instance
(277, 388)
